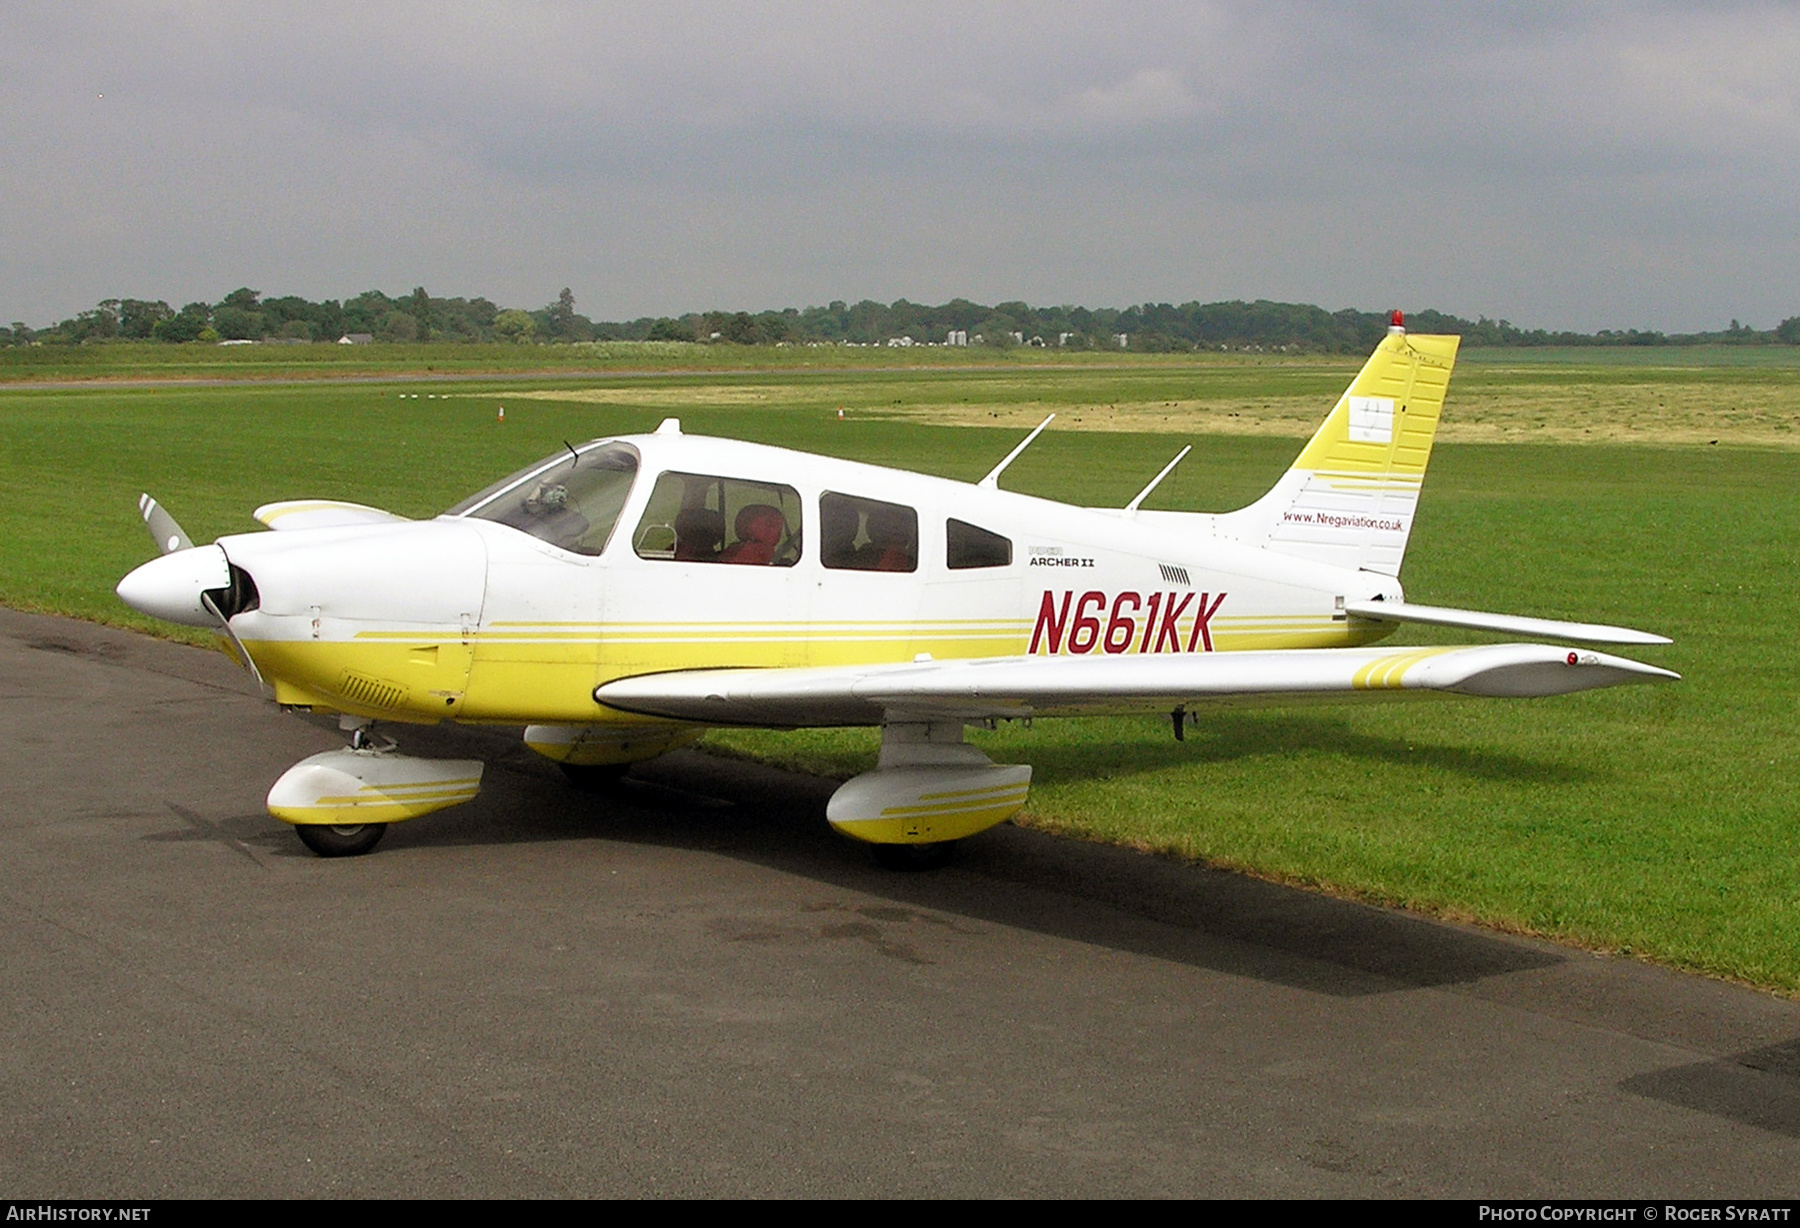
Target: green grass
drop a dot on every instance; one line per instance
(1653, 820)
(1688, 356)
(140, 360)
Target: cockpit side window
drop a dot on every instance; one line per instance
(572, 501)
(700, 518)
(857, 534)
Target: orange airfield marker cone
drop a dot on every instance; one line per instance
(501, 416)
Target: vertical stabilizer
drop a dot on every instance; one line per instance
(1350, 497)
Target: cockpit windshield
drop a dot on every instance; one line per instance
(571, 500)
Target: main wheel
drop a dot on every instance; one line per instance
(915, 856)
(595, 777)
(334, 841)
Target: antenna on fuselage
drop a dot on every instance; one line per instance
(992, 480)
(1132, 507)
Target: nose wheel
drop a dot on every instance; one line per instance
(331, 840)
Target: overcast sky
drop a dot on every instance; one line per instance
(1628, 165)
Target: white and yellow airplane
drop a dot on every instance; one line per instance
(619, 597)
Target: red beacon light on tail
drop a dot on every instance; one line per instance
(1396, 321)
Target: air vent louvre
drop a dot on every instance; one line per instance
(367, 692)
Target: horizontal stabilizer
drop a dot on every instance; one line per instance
(321, 514)
(1057, 686)
(1506, 624)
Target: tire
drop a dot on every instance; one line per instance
(595, 777)
(340, 841)
(915, 857)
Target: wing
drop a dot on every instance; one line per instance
(1061, 686)
(321, 514)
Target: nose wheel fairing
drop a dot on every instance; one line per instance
(352, 788)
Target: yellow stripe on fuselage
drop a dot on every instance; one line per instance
(545, 673)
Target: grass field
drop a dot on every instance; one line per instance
(1655, 820)
(137, 361)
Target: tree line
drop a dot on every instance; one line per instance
(246, 315)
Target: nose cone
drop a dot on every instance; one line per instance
(169, 587)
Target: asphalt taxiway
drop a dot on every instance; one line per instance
(692, 987)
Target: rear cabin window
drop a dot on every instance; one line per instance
(968, 546)
(699, 518)
(857, 534)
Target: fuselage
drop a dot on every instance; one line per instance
(677, 552)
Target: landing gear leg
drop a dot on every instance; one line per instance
(362, 733)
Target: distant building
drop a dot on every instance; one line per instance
(357, 339)
(958, 336)
(1122, 341)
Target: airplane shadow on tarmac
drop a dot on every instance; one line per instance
(1759, 1088)
(1096, 894)
(1748, 1067)
(1007, 876)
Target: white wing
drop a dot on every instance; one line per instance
(1054, 686)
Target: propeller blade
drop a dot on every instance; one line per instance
(169, 536)
(243, 654)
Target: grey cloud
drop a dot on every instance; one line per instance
(1564, 166)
